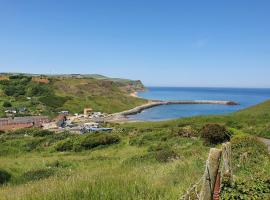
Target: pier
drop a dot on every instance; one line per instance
(154, 103)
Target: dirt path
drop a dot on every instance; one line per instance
(266, 142)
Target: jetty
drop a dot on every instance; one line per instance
(154, 103)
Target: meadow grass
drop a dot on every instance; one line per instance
(152, 160)
(118, 171)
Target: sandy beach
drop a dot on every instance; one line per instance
(134, 94)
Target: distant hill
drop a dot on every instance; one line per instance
(48, 94)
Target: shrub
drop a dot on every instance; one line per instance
(186, 131)
(215, 133)
(33, 144)
(54, 101)
(37, 174)
(41, 133)
(163, 153)
(92, 141)
(64, 145)
(7, 104)
(4, 176)
(61, 136)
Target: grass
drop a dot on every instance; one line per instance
(150, 160)
(116, 171)
(251, 164)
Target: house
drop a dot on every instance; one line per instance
(87, 112)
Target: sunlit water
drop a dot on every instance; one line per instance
(245, 98)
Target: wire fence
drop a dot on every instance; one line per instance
(218, 166)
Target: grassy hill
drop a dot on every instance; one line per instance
(153, 160)
(49, 94)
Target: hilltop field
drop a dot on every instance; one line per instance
(153, 160)
(47, 95)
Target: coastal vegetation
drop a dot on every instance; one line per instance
(145, 160)
(48, 95)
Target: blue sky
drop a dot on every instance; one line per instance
(163, 43)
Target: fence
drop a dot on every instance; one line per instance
(218, 166)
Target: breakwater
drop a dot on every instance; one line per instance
(151, 104)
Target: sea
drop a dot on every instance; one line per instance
(245, 97)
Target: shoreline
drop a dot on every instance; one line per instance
(123, 116)
(134, 94)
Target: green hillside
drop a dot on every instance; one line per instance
(50, 94)
(153, 160)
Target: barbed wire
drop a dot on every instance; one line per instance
(193, 193)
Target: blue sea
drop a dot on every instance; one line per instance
(244, 96)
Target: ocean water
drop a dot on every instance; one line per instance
(244, 96)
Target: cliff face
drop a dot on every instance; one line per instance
(131, 86)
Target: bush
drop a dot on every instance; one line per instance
(37, 174)
(64, 145)
(4, 176)
(41, 133)
(92, 141)
(32, 144)
(54, 101)
(7, 104)
(215, 133)
(186, 131)
(163, 153)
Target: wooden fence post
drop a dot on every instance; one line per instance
(211, 170)
(226, 155)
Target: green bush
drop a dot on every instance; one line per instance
(38, 89)
(64, 145)
(215, 133)
(62, 135)
(163, 153)
(186, 131)
(4, 176)
(32, 144)
(7, 104)
(41, 133)
(54, 101)
(92, 141)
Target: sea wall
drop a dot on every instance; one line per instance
(159, 103)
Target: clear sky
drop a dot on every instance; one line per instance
(164, 43)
